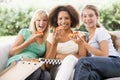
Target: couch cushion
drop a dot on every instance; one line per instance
(4, 51)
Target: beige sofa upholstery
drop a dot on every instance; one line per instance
(6, 45)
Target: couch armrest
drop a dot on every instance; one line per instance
(4, 54)
(117, 34)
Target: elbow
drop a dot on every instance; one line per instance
(11, 53)
(83, 54)
(104, 55)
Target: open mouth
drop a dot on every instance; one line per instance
(40, 26)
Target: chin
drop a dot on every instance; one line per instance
(89, 26)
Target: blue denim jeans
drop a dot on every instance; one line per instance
(97, 68)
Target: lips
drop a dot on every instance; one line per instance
(65, 25)
(40, 26)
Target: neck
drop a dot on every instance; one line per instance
(91, 30)
(65, 34)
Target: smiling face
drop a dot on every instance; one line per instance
(89, 18)
(64, 19)
(41, 22)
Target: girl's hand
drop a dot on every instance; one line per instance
(61, 56)
(57, 34)
(77, 39)
(35, 37)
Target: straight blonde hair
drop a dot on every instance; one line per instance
(38, 13)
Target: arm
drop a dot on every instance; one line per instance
(101, 37)
(82, 51)
(52, 47)
(16, 48)
(50, 53)
(103, 51)
(51, 50)
(20, 44)
(61, 56)
(81, 47)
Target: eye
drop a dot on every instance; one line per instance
(38, 20)
(90, 15)
(84, 16)
(45, 20)
(67, 18)
(59, 18)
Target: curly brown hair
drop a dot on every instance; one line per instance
(74, 15)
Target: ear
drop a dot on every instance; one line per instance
(57, 22)
(97, 17)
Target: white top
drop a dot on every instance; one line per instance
(69, 47)
(102, 34)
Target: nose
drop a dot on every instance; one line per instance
(88, 17)
(63, 21)
(41, 23)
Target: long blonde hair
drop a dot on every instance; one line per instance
(38, 13)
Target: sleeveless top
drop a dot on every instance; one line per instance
(68, 47)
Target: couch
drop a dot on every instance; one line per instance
(6, 45)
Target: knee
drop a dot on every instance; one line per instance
(70, 58)
(47, 75)
(82, 61)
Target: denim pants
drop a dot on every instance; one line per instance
(39, 74)
(97, 68)
(53, 71)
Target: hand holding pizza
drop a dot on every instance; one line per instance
(77, 37)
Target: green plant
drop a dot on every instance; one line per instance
(110, 17)
(12, 20)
